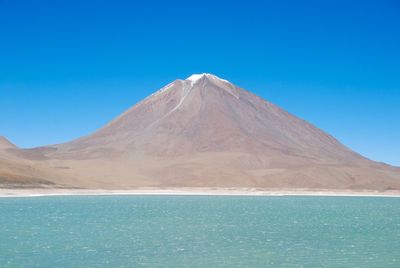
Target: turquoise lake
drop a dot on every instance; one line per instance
(199, 231)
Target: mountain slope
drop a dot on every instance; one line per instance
(6, 144)
(19, 172)
(208, 114)
(205, 131)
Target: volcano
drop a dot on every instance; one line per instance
(206, 132)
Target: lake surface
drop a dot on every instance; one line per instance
(202, 231)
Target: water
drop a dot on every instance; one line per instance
(182, 231)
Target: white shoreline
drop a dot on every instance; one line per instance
(43, 192)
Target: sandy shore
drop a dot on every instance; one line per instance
(13, 192)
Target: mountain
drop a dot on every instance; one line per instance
(5, 144)
(17, 172)
(206, 132)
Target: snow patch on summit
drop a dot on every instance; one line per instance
(196, 77)
(222, 83)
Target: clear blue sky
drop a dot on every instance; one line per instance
(67, 67)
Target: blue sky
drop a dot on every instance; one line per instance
(68, 67)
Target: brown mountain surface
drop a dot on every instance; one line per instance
(6, 144)
(206, 132)
(19, 172)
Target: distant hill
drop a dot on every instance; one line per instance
(5, 144)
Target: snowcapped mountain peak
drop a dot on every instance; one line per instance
(197, 77)
(203, 132)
